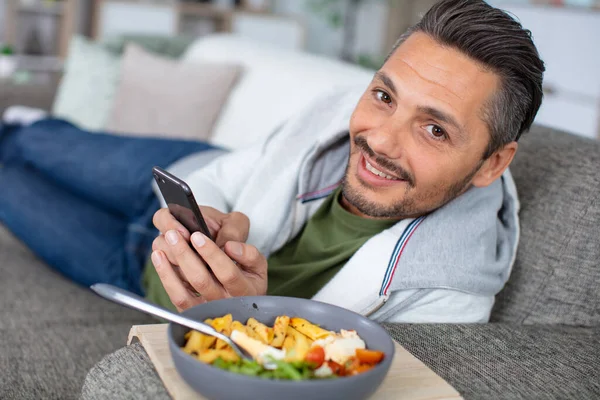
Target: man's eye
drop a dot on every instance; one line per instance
(383, 96)
(436, 131)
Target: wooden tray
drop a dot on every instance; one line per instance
(408, 377)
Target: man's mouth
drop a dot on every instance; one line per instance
(373, 175)
(378, 172)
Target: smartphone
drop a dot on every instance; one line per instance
(181, 202)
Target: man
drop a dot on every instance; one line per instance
(399, 206)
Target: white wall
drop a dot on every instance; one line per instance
(320, 37)
(323, 39)
(372, 28)
(124, 18)
(568, 40)
(2, 26)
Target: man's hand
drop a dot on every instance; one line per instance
(223, 227)
(208, 271)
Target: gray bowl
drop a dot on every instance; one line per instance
(214, 383)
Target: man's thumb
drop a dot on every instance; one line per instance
(246, 255)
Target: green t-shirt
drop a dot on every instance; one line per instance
(305, 264)
(327, 241)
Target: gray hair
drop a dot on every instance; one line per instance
(493, 38)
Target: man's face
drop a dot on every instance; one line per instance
(417, 133)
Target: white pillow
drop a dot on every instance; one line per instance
(275, 84)
(85, 94)
(162, 97)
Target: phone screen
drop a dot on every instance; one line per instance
(186, 217)
(181, 204)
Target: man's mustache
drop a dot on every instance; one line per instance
(361, 143)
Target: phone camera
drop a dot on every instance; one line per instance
(162, 180)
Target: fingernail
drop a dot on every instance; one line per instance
(155, 258)
(171, 237)
(198, 239)
(236, 248)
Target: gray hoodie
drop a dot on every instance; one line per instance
(443, 267)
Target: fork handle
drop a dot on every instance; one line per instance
(132, 300)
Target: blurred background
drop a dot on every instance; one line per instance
(36, 34)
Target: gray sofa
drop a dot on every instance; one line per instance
(543, 341)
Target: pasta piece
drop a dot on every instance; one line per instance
(209, 356)
(194, 342)
(223, 325)
(301, 344)
(209, 342)
(227, 329)
(270, 334)
(288, 345)
(279, 330)
(313, 331)
(238, 326)
(261, 330)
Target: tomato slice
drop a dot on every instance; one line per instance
(362, 368)
(315, 355)
(336, 368)
(369, 356)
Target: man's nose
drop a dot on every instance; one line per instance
(388, 139)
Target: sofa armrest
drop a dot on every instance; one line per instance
(491, 361)
(126, 373)
(37, 95)
(503, 361)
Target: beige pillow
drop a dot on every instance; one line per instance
(162, 97)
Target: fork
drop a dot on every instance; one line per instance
(132, 300)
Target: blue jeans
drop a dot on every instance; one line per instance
(83, 202)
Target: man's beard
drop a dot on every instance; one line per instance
(402, 209)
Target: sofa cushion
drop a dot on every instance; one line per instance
(170, 46)
(85, 95)
(275, 84)
(160, 97)
(556, 275)
(52, 331)
(502, 361)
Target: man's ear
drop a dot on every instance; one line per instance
(495, 165)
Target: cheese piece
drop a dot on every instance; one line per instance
(340, 348)
(256, 348)
(323, 371)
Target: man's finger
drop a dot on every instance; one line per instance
(224, 269)
(213, 225)
(161, 244)
(180, 296)
(234, 227)
(164, 221)
(213, 218)
(247, 256)
(193, 268)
